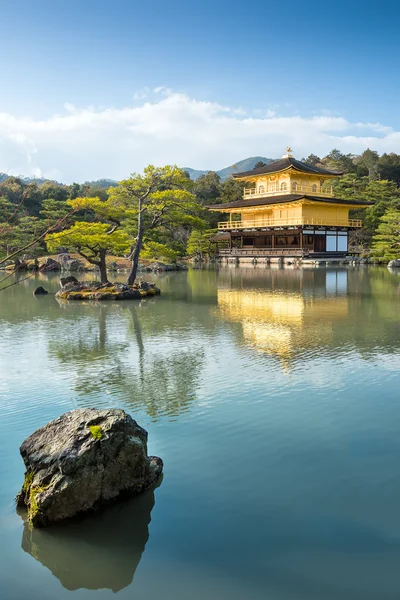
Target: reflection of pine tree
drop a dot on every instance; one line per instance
(100, 359)
(165, 384)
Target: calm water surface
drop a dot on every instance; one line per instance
(273, 398)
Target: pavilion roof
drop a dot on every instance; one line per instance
(286, 163)
(284, 199)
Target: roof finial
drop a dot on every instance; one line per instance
(288, 152)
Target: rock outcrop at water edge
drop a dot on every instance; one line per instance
(40, 291)
(93, 290)
(394, 264)
(84, 459)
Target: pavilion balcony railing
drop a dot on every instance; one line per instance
(278, 190)
(262, 252)
(289, 222)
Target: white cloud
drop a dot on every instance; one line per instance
(89, 143)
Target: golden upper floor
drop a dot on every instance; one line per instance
(283, 213)
(287, 176)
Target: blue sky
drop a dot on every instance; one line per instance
(263, 67)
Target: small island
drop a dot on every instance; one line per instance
(72, 289)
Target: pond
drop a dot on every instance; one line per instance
(273, 398)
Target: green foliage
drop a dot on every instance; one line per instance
(199, 243)
(156, 251)
(89, 239)
(7, 210)
(313, 160)
(207, 188)
(95, 207)
(51, 189)
(53, 210)
(386, 241)
(389, 167)
(337, 161)
(367, 164)
(25, 230)
(231, 190)
(385, 195)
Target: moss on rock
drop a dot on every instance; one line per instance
(117, 291)
(96, 431)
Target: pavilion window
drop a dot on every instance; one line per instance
(308, 240)
(331, 242)
(314, 188)
(287, 241)
(283, 186)
(294, 186)
(342, 241)
(261, 189)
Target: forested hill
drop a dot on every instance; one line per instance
(98, 183)
(243, 165)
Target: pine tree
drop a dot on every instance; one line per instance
(386, 241)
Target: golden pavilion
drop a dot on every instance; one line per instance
(289, 208)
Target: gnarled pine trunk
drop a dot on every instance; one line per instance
(135, 257)
(102, 266)
(137, 248)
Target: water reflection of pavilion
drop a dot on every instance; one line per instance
(285, 321)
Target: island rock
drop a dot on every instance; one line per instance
(84, 459)
(40, 291)
(394, 264)
(72, 265)
(94, 290)
(49, 264)
(69, 279)
(159, 266)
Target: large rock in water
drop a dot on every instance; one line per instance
(49, 264)
(394, 264)
(83, 460)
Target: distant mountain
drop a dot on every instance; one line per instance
(37, 180)
(102, 183)
(98, 183)
(243, 165)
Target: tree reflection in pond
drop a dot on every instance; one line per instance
(108, 353)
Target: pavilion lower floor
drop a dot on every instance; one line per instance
(284, 242)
